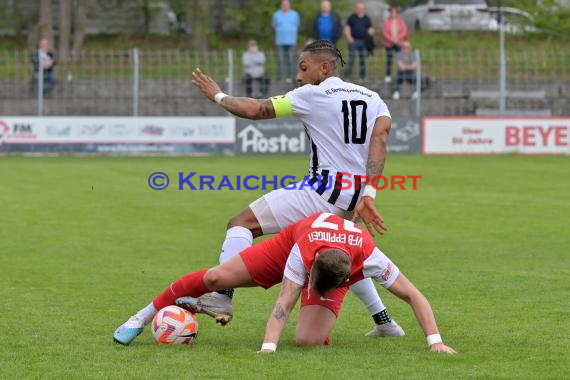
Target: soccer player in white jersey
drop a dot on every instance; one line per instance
(348, 127)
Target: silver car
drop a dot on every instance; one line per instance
(516, 21)
(449, 15)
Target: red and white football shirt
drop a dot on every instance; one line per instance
(325, 231)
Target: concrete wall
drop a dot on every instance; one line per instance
(180, 98)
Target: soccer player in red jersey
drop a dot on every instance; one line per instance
(317, 259)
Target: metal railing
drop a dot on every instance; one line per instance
(158, 82)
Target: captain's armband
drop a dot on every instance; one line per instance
(282, 105)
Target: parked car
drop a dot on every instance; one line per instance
(446, 15)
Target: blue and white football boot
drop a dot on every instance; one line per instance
(128, 331)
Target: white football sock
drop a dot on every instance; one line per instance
(365, 290)
(143, 317)
(237, 239)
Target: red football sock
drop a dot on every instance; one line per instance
(191, 285)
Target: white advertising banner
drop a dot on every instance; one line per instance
(483, 135)
(117, 130)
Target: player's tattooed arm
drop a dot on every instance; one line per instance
(378, 147)
(366, 208)
(286, 301)
(249, 108)
(279, 313)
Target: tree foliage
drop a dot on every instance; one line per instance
(552, 18)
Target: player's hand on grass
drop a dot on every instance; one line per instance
(366, 210)
(205, 83)
(440, 347)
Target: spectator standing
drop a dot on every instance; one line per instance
(395, 32)
(286, 23)
(358, 30)
(253, 62)
(327, 25)
(407, 64)
(44, 58)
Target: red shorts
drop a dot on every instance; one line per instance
(266, 261)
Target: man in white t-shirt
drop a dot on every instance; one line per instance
(348, 128)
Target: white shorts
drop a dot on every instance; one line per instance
(279, 208)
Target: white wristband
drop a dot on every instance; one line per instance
(269, 346)
(219, 96)
(369, 191)
(433, 339)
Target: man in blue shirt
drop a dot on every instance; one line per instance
(358, 30)
(327, 24)
(286, 23)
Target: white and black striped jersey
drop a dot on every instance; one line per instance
(339, 118)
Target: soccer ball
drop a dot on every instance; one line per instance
(174, 325)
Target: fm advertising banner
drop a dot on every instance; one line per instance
(117, 135)
(484, 135)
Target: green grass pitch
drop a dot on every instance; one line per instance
(84, 243)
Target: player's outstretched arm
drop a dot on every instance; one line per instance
(247, 108)
(406, 291)
(366, 208)
(278, 319)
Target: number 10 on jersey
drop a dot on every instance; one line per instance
(350, 123)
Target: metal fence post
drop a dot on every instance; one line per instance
(418, 84)
(502, 64)
(135, 82)
(40, 83)
(230, 77)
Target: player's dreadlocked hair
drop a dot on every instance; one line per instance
(326, 47)
(331, 269)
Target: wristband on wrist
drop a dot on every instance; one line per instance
(433, 339)
(369, 191)
(219, 96)
(269, 346)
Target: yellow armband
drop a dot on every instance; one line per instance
(282, 105)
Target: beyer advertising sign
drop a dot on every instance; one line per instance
(481, 135)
